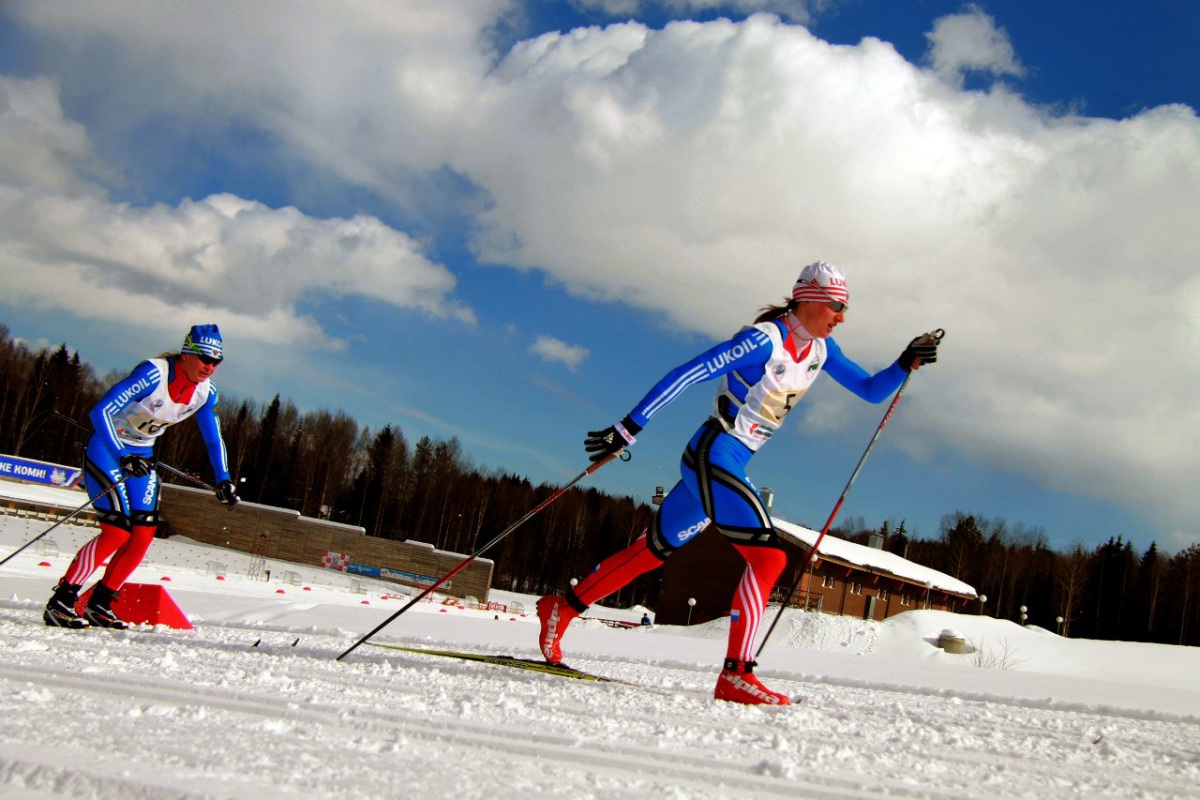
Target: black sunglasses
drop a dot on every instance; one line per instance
(209, 360)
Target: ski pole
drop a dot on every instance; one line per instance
(71, 420)
(185, 475)
(480, 551)
(816, 548)
(195, 480)
(178, 472)
(91, 500)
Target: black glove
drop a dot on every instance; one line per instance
(227, 493)
(921, 350)
(611, 440)
(136, 466)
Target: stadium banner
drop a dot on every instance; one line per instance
(342, 563)
(24, 469)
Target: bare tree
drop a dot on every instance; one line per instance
(1070, 580)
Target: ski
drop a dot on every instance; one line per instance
(530, 664)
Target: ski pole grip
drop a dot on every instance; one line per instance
(621, 454)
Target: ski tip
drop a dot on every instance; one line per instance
(256, 644)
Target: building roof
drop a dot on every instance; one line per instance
(873, 559)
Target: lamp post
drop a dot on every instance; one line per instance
(812, 562)
(982, 600)
(1059, 621)
(691, 605)
(1024, 614)
(928, 592)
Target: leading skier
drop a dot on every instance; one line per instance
(764, 370)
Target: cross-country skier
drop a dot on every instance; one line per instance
(126, 422)
(764, 369)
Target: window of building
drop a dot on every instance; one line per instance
(884, 595)
(826, 581)
(855, 587)
(905, 600)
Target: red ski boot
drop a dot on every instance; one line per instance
(555, 614)
(737, 684)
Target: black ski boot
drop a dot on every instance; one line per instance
(60, 611)
(99, 608)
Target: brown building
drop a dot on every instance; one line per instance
(846, 578)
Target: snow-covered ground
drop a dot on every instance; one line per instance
(165, 713)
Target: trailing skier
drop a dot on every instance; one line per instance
(119, 469)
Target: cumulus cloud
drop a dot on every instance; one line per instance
(699, 166)
(692, 171)
(558, 351)
(367, 90)
(799, 11)
(971, 42)
(65, 245)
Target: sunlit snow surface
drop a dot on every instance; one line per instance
(882, 712)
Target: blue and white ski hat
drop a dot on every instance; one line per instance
(204, 340)
(822, 282)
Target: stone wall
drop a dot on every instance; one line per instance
(280, 533)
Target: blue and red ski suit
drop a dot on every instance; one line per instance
(764, 370)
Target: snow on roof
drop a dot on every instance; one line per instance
(871, 558)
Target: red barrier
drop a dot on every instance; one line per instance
(144, 604)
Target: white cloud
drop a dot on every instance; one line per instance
(367, 90)
(614, 8)
(693, 170)
(799, 11)
(65, 245)
(558, 351)
(41, 147)
(971, 42)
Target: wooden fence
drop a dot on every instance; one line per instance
(284, 534)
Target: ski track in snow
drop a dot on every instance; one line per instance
(294, 722)
(159, 713)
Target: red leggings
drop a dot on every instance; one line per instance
(123, 551)
(763, 567)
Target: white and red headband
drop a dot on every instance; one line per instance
(821, 282)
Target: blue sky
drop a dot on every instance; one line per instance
(503, 221)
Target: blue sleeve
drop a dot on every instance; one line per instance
(748, 348)
(872, 388)
(210, 432)
(128, 390)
